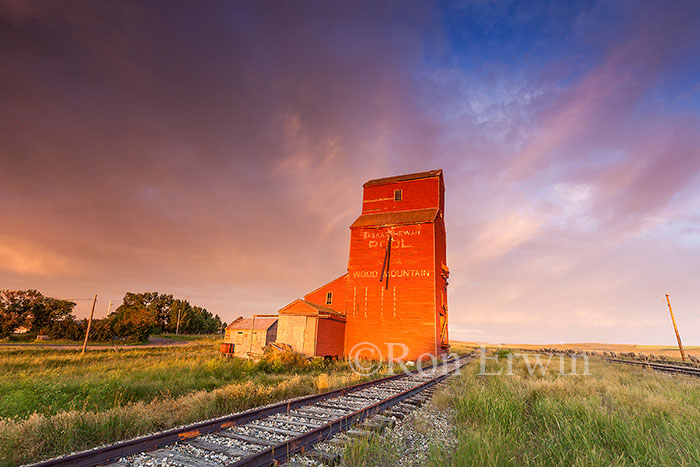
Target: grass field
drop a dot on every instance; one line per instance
(52, 381)
(670, 351)
(53, 401)
(29, 340)
(615, 416)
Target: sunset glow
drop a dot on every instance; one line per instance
(217, 152)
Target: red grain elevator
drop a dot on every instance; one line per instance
(397, 271)
(394, 295)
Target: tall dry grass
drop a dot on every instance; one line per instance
(52, 381)
(40, 436)
(53, 402)
(615, 416)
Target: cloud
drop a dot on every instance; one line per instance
(26, 258)
(502, 235)
(218, 152)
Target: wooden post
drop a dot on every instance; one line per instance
(675, 328)
(177, 328)
(87, 331)
(252, 331)
(318, 319)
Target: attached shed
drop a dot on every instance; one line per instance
(239, 332)
(312, 329)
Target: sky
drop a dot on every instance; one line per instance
(216, 151)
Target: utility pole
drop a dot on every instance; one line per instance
(675, 328)
(109, 307)
(177, 328)
(87, 331)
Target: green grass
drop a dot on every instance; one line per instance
(375, 450)
(615, 416)
(53, 401)
(191, 337)
(29, 340)
(51, 381)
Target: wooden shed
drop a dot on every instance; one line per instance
(251, 335)
(312, 329)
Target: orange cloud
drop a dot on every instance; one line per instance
(24, 257)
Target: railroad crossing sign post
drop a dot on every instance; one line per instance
(675, 328)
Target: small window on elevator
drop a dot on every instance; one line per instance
(397, 195)
(329, 298)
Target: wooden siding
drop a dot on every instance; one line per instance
(415, 194)
(240, 336)
(241, 340)
(408, 311)
(338, 287)
(442, 338)
(405, 311)
(331, 338)
(309, 332)
(297, 329)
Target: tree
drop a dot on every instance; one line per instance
(50, 311)
(134, 324)
(32, 309)
(166, 310)
(135, 319)
(157, 305)
(200, 321)
(179, 310)
(68, 328)
(14, 311)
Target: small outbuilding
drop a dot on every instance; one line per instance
(249, 336)
(312, 329)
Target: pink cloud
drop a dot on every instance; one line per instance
(221, 158)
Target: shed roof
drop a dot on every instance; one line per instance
(314, 309)
(322, 308)
(261, 324)
(382, 219)
(403, 178)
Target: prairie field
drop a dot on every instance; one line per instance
(670, 351)
(53, 402)
(617, 415)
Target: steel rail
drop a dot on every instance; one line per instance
(112, 452)
(686, 370)
(280, 452)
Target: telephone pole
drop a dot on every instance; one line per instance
(675, 328)
(177, 328)
(87, 331)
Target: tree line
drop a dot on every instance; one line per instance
(139, 315)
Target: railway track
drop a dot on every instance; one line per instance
(271, 434)
(677, 369)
